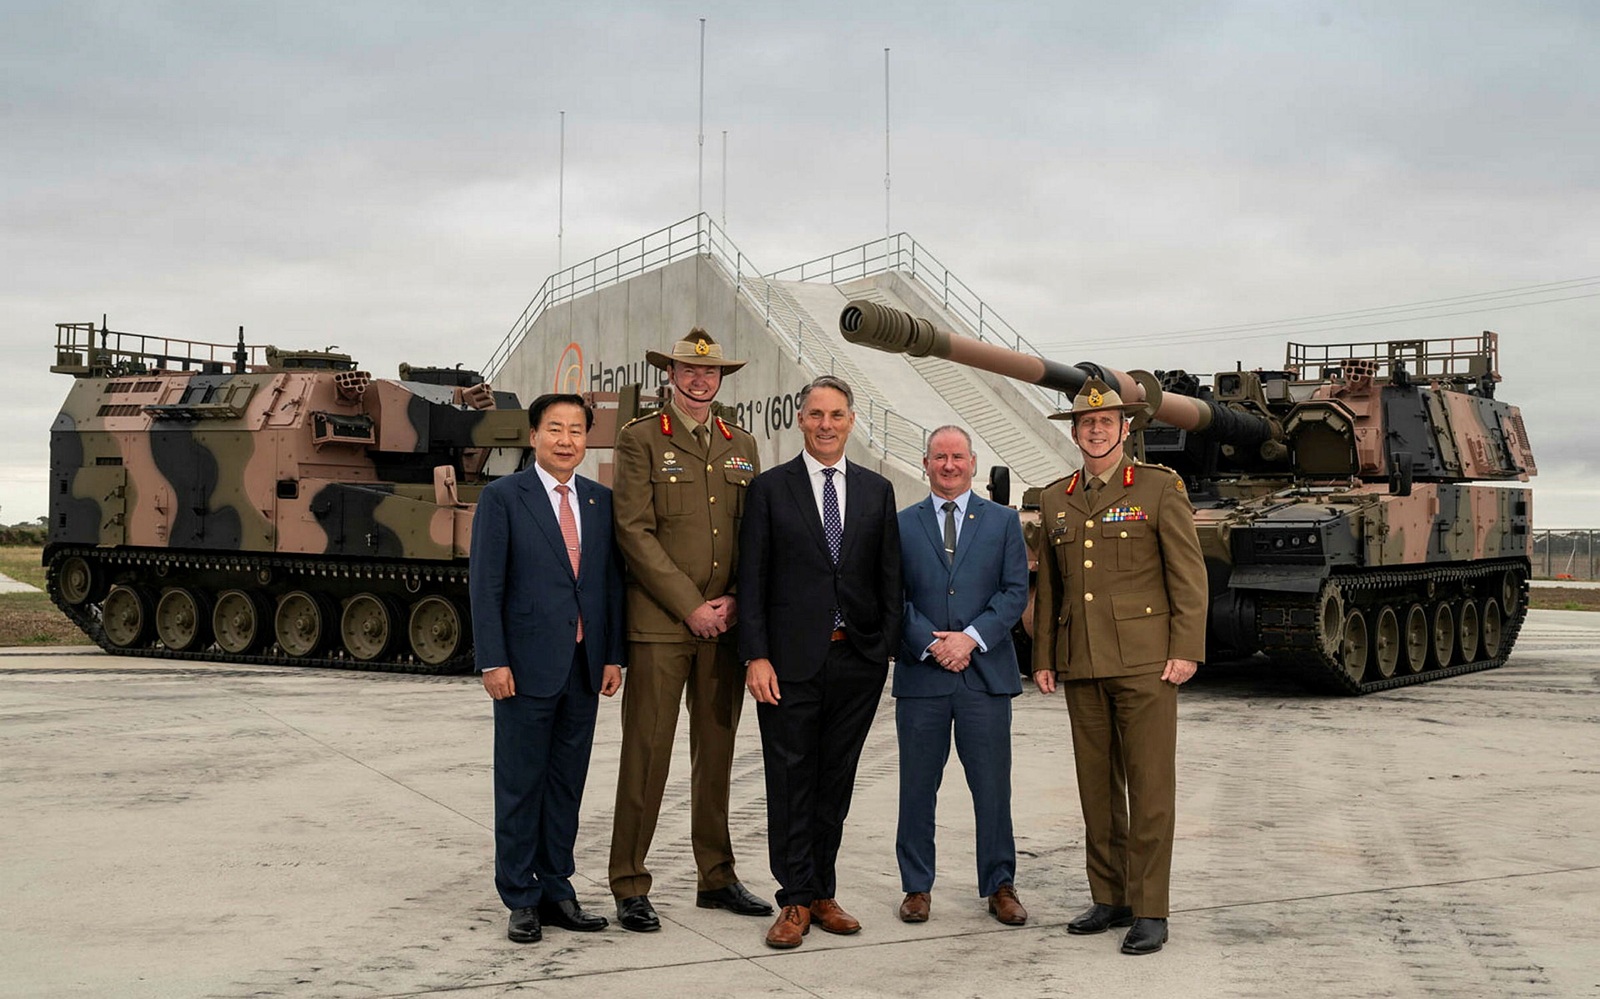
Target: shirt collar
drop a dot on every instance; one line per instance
(961, 502)
(685, 418)
(815, 467)
(550, 481)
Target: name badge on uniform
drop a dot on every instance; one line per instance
(1118, 514)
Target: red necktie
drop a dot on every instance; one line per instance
(569, 535)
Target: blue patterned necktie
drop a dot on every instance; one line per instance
(832, 526)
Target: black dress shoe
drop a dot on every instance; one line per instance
(1100, 917)
(569, 915)
(637, 914)
(735, 898)
(1146, 937)
(524, 927)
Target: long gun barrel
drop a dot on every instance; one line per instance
(896, 332)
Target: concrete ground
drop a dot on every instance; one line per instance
(174, 829)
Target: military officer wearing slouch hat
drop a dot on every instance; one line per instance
(680, 477)
(1119, 622)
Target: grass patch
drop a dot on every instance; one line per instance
(22, 564)
(1563, 598)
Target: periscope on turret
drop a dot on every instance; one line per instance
(1355, 506)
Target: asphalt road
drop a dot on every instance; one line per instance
(177, 829)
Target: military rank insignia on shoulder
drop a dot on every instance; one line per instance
(638, 419)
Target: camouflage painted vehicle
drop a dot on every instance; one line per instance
(249, 504)
(1350, 505)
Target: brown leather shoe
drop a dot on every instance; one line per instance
(915, 908)
(794, 922)
(1006, 907)
(827, 914)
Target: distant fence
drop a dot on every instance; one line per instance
(1566, 554)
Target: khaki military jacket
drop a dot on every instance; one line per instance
(1122, 583)
(677, 509)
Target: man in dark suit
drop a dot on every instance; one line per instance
(547, 619)
(966, 584)
(820, 607)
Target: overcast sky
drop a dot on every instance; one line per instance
(383, 175)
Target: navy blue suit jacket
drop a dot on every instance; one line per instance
(788, 584)
(525, 599)
(986, 587)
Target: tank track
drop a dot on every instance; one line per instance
(157, 568)
(1292, 630)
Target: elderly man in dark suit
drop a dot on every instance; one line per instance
(966, 583)
(546, 585)
(820, 607)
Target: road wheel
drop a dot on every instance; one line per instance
(1386, 651)
(1493, 632)
(183, 620)
(1355, 647)
(1416, 638)
(368, 626)
(1467, 630)
(125, 617)
(435, 630)
(240, 622)
(1444, 635)
(302, 624)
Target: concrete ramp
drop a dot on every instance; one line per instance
(589, 326)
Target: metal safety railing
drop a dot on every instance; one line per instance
(886, 431)
(1566, 554)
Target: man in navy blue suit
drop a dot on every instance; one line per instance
(965, 568)
(547, 621)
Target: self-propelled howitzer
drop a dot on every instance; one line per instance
(1350, 504)
(249, 504)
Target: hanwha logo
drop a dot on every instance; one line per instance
(569, 370)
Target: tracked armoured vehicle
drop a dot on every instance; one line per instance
(1352, 505)
(249, 504)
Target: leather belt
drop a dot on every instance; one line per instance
(838, 635)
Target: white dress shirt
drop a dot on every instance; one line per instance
(818, 480)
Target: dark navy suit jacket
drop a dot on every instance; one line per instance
(986, 587)
(788, 584)
(525, 599)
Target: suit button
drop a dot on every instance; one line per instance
(1123, 534)
(713, 565)
(672, 478)
(714, 532)
(1088, 523)
(952, 593)
(1089, 597)
(1088, 563)
(1149, 610)
(713, 499)
(708, 468)
(1088, 542)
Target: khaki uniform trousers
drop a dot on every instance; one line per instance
(1124, 744)
(660, 676)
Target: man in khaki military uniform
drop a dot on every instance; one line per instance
(678, 496)
(1119, 619)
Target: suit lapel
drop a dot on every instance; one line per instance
(544, 516)
(854, 508)
(800, 491)
(594, 526)
(928, 514)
